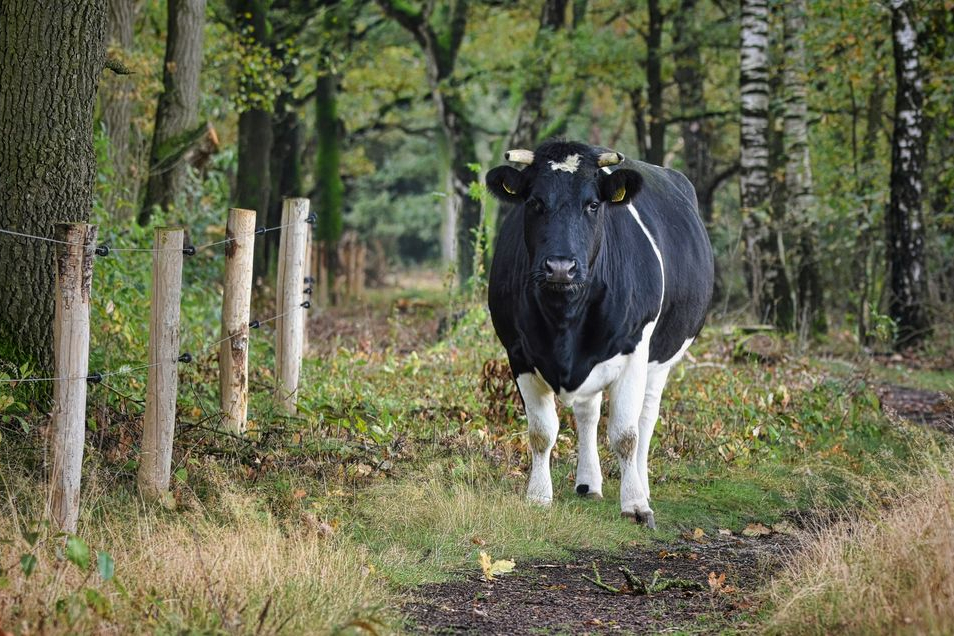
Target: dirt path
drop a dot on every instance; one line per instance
(928, 408)
(554, 598)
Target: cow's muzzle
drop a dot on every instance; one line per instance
(561, 271)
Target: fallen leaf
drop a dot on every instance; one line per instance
(493, 568)
(478, 541)
(755, 530)
(716, 582)
(725, 532)
(299, 493)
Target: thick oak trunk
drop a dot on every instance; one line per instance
(178, 110)
(656, 151)
(51, 56)
(904, 223)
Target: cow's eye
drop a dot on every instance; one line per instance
(593, 207)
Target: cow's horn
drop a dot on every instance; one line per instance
(609, 159)
(519, 156)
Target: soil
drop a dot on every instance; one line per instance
(554, 598)
(928, 408)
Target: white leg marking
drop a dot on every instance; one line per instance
(543, 426)
(626, 402)
(588, 472)
(655, 383)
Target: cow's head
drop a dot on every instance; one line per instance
(566, 195)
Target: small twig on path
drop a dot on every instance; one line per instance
(598, 581)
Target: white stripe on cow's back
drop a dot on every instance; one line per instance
(652, 242)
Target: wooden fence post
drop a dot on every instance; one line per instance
(155, 462)
(288, 328)
(74, 278)
(233, 353)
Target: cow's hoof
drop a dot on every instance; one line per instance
(641, 518)
(583, 490)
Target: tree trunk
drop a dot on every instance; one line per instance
(862, 265)
(530, 116)
(439, 37)
(51, 56)
(328, 185)
(285, 168)
(904, 222)
(253, 179)
(800, 211)
(656, 152)
(696, 131)
(178, 109)
(117, 104)
(754, 143)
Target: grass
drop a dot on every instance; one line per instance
(885, 572)
(407, 462)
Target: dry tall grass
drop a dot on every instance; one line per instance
(886, 574)
(236, 571)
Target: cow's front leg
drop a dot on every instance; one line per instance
(538, 400)
(626, 402)
(589, 478)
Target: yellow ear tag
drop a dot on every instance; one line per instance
(619, 194)
(507, 188)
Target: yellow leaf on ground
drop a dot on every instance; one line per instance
(493, 568)
(725, 532)
(784, 527)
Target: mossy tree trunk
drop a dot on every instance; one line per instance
(51, 57)
(178, 109)
(329, 189)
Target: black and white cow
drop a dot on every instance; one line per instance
(601, 279)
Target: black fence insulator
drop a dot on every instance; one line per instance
(309, 280)
(189, 250)
(307, 291)
(94, 378)
(185, 357)
(306, 304)
(260, 230)
(311, 218)
(254, 324)
(101, 250)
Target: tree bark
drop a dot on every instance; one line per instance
(328, 184)
(253, 179)
(530, 115)
(799, 210)
(696, 131)
(904, 223)
(51, 56)
(178, 109)
(439, 36)
(285, 169)
(117, 106)
(656, 152)
(754, 142)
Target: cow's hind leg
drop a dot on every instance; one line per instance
(626, 402)
(589, 478)
(655, 383)
(538, 400)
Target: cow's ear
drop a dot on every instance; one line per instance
(505, 183)
(620, 186)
